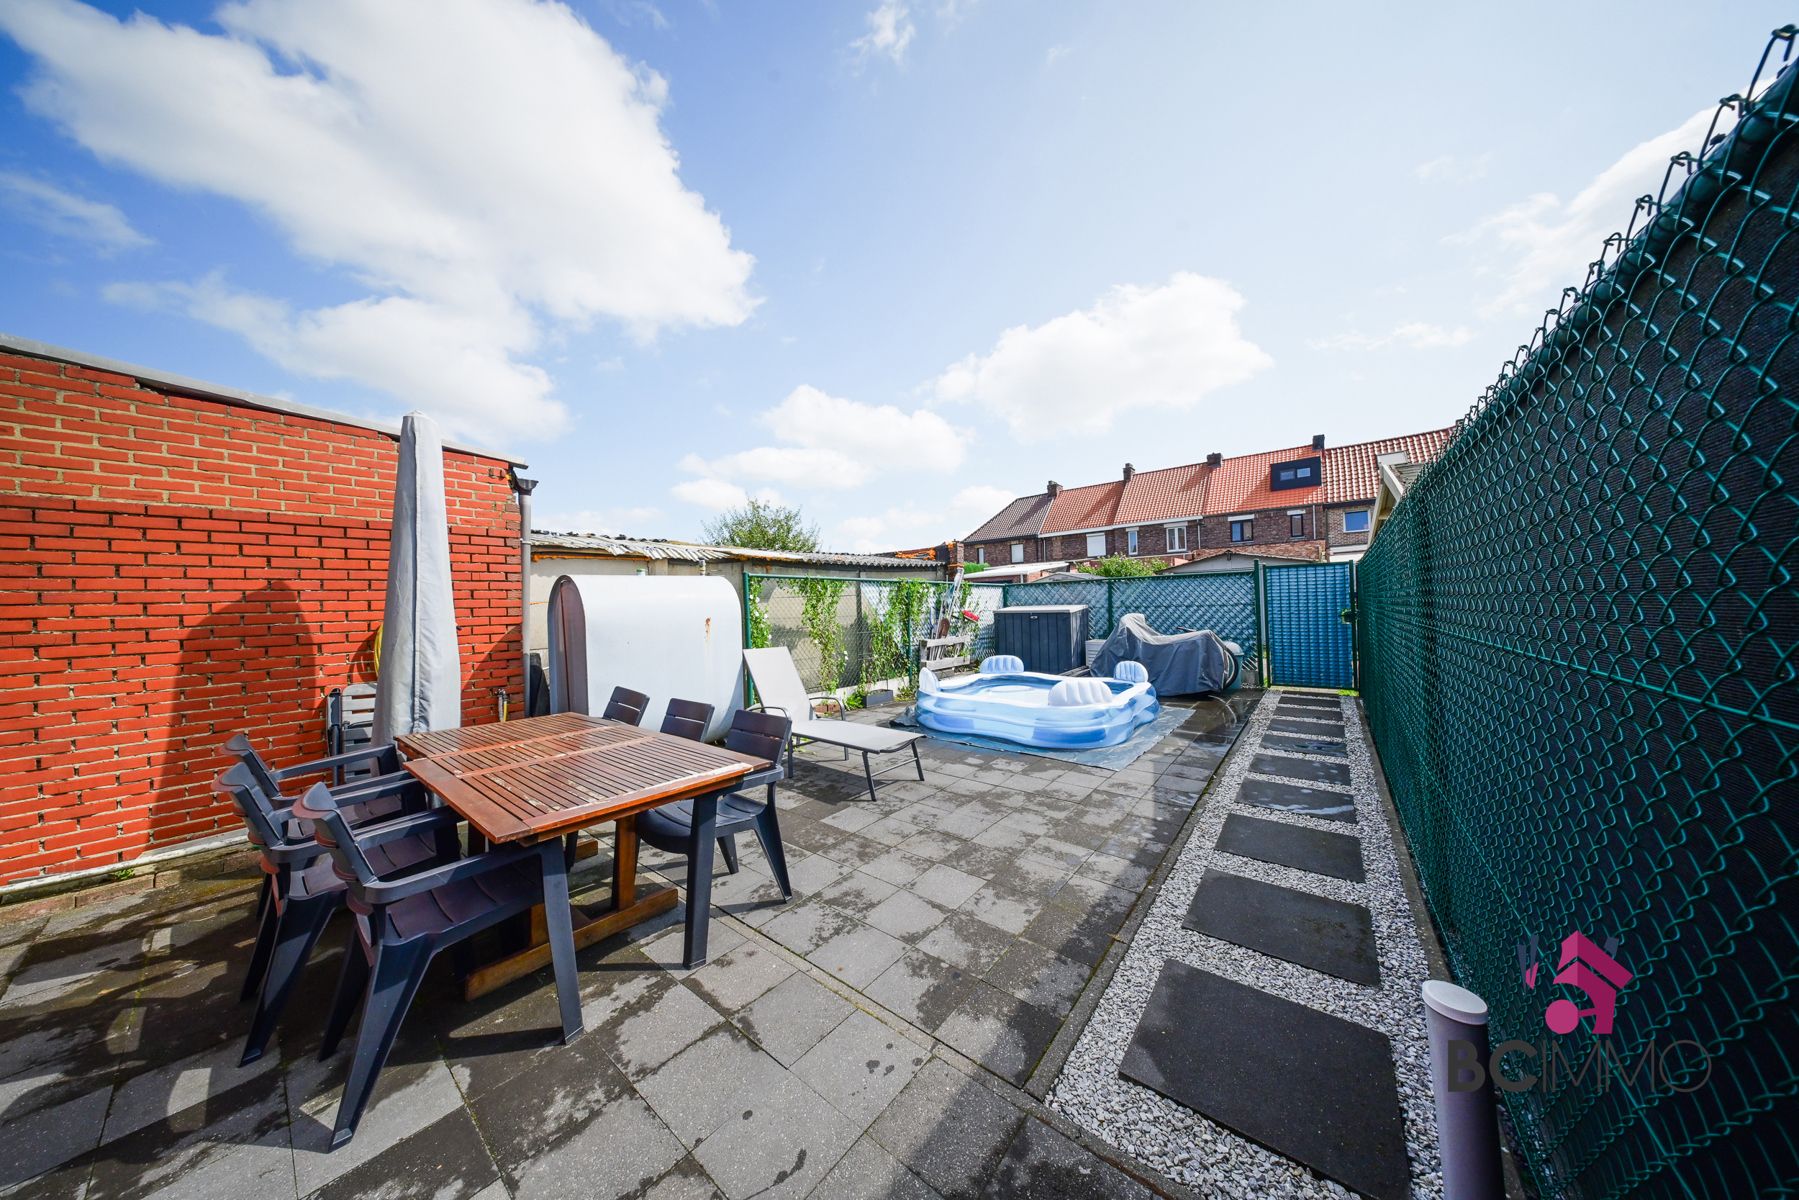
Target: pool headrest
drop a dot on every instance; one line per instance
(927, 682)
(1072, 692)
(1002, 664)
(1131, 672)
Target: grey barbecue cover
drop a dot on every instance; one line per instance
(1178, 663)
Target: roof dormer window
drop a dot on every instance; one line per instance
(1299, 473)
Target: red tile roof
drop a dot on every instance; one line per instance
(1240, 484)
(1353, 472)
(1164, 495)
(1090, 507)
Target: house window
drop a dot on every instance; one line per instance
(1300, 473)
(1017, 552)
(1176, 536)
(1130, 541)
(1096, 545)
(1243, 530)
(1355, 520)
(1296, 524)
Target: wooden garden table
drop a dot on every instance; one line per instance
(546, 777)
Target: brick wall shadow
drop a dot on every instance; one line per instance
(251, 666)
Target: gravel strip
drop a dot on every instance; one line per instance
(1187, 1147)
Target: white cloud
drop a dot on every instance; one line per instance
(67, 215)
(916, 523)
(1453, 168)
(714, 494)
(1056, 54)
(1137, 348)
(833, 444)
(890, 31)
(491, 168)
(598, 520)
(1542, 244)
(1413, 335)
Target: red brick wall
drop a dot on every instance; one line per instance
(175, 569)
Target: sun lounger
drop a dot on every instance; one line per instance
(779, 688)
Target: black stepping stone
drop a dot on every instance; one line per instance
(1325, 935)
(1334, 854)
(1301, 768)
(1326, 702)
(1316, 728)
(1293, 798)
(1303, 1083)
(1303, 745)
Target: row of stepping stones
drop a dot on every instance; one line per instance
(1312, 1086)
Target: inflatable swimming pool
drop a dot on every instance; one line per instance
(1049, 711)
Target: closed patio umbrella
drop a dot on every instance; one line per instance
(420, 684)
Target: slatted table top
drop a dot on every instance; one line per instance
(545, 776)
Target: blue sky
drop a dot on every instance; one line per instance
(893, 261)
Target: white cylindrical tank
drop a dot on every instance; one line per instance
(664, 635)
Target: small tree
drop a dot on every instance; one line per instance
(1118, 566)
(759, 525)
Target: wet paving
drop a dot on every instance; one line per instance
(887, 1033)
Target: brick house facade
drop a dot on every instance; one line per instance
(1238, 502)
(181, 564)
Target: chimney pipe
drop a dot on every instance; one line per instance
(1054, 489)
(1129, 471)
(1317, 441)
(1214, 459)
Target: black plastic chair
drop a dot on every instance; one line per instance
(687, 719)
(626, 705)
(301, 892)
(670, 828)
(402, 924)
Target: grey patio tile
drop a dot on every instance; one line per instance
(686, 1180)
(897, 867)
(1075, 935)
(905, 916)
(49, 1137)
(444, 1161)
(782, 1144)
(946, 886)
(811, 873)
(739, 976)
(853, 851)
(860, 1066)
(949, 1129)
(74, 978)
(408, 1097)
(857, 894)
(1118, 872)
(644, 1037)
(1087, 895)
(890, 830)
(1031, 822)
(1003, 907)
(868, 1172)
(966, 941)
(850, 819)
(857, 955)
(1035, 874)
(921, 988)
(1003, 837)
(969, 822)
(1039, 976)
(161, 1093)
(615, 1150)
(234, 1145)
(984, 861)
(667, 948)
(1041, 1164)
(1001, 1032)
(1060, 851)
(807, 925)
(1074, 832)
(808, 834)
(933, 845)
(712, 1080)
(791, 1017)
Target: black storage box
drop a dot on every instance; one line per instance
(1050, 638)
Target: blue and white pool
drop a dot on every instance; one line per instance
(1049, 711)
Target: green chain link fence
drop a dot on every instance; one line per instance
(845, 632)
(1578, 635)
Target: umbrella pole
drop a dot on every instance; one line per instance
(524, 487)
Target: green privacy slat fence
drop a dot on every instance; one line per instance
(845, 631)
(1224, 602)
(1578, 652)
(1309, 642)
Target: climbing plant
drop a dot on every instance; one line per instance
(761, 624)
(893, 628)
(818, 616)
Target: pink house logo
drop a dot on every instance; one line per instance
(1584, 965)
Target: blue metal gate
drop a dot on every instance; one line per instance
(1310, 636)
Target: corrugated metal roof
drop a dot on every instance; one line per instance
(1002, 570)
(673, 551)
